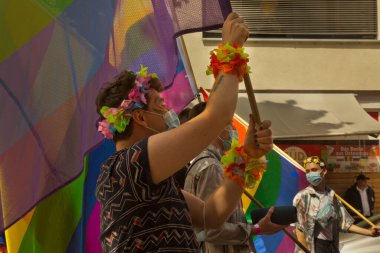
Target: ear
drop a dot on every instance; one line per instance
(138, 117)
(324, 171)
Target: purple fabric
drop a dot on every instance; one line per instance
(48, 88)
(184, 16)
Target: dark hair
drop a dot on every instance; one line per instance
(196, 110)
(113, 93)
(184, 115)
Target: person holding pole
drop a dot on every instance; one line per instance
(321, 215)
(204, 175)
(142, 208)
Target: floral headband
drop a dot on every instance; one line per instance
(313, 159)
(117, 119)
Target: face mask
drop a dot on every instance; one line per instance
(171, 119)
(314, 178)
(227, 143)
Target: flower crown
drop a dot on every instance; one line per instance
(117, 119)
(313, 159)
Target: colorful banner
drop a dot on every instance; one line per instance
(340, 156)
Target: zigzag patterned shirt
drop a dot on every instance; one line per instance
(138, 215)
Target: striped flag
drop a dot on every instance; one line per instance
(278, 186)
(56, 56)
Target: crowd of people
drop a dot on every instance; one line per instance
(172, 187)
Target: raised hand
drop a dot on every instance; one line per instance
(258, 141)
(234, 30)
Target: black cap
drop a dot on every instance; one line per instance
(362, 177)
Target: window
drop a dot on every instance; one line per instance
(307, 19)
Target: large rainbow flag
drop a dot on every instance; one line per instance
(278, 186)
(54, 57)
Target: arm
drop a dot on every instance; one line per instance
(171, 150)
(230, 233)
(219, 206)
(363, 231)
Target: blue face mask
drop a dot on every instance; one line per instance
(314, 178)
(171, 119)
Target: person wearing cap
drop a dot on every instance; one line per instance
(361, 197)
(320, 214)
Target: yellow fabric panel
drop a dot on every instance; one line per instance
(15, 233)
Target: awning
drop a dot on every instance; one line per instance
(305, 115)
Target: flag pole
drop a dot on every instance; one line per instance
(189, 69)
(252, 99)
(257, 119)
(355, 211)
(292, 237)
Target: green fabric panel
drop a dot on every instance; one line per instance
(20, 20)
(55, 219)
(269, 188)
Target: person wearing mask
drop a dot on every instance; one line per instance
(361, 197)
(204, 175)
(320, 214)
(143, 209)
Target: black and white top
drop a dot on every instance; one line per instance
(138, 215)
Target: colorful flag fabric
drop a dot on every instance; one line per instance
(280, 183)
(278, 186)
(54, 57)
(69, 219)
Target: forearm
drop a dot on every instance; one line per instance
(222, 102)
(358, 230)
(222, 203)
(229, 233)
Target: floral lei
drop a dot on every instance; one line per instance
(117, 119)
(237, 162)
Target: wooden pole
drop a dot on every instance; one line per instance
(355, 211)
(292, 237)
(252, 99)
(257, 119)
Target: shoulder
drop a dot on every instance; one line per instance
(352, 188)
(301, 195)
(203, 161)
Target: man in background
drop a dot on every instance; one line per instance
(361, 197)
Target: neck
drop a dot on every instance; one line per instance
(321, 187)
(361, 187)
(135, 137)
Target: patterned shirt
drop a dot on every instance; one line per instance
(308, 207)
(204, 177)
(138, 215)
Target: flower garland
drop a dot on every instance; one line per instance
(313, 159)
(241, 168)
(228, 59)
(117, 119)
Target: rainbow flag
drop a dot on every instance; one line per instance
(280, 183)
(278, 186)
(54, 58)
(69, 219)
